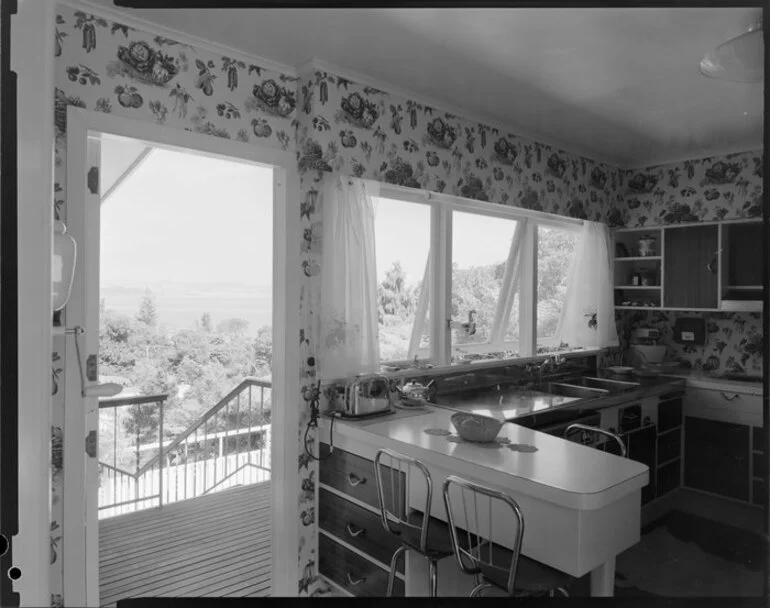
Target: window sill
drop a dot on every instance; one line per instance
(482, 364)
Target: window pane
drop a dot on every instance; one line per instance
(555, 252)
(402, 233)
(480, 249)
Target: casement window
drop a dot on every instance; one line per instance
(445, 263)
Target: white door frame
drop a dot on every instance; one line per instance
(80, 550)
(32, 58)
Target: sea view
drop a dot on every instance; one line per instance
(181, 305)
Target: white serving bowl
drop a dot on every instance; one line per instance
(475, 427)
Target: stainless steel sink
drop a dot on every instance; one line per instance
(613, 386)
(574, 390)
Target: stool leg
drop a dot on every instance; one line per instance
(393, 562)
(433, 573)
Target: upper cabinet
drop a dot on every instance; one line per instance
(703, 266)
(741, 266)
(691, 266)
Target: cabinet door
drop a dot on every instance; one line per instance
(743, 249)
(717, 457)
(688, 283)
(641, 447)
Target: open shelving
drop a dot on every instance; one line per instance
(638, 277)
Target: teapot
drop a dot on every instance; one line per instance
(415, 390)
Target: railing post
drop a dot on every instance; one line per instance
(160, 459)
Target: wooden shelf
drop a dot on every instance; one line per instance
(639, 258)
(656, 287)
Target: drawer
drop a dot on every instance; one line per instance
(669, 445)
(355, 574)
(724, 406)
(358, 527)
(758, 439)
(353, 476)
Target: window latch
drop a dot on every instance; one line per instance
(469, 327)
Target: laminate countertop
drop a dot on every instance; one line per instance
(512, 403)
(562, 472)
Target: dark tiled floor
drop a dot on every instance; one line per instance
(687, 555)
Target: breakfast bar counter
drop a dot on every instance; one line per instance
(581, 506)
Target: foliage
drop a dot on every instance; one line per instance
(476, 288)
(195, 367)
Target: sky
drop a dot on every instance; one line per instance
(477, 240)
(198, 231)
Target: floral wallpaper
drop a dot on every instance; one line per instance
(109, 67)
(706, 189)
(365, 132)
(734, 340)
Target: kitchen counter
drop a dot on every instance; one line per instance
(582, 506)
(512, 403)
(563, 472)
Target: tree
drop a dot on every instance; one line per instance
(206, 322)
(393, 296)
(148, 314)
(233, 326)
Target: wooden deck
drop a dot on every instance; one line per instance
(212, 546)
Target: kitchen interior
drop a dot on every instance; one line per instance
(638, 465)
(682, 395)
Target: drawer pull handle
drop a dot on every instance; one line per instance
(354, 582)
(354, 480)
(354, 531)
(730, 398)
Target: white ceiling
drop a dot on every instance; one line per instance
(616, 84)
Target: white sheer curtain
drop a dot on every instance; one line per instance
(348, 317)
(588, 316)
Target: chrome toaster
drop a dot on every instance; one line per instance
(367, 394)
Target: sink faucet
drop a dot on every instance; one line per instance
(550, 364)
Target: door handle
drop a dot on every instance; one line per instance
(357, 581)
(354, 480)
(710, 265)
(730, 398)
(354, 531)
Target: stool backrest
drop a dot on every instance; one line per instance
(595, 430)
(394, 474)
(473, 547)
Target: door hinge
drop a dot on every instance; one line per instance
(93, 180)
(91, 368)
(91, 444)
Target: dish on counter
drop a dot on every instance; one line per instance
(477, 428)
(620, 369)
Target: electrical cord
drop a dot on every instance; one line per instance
(313, 423)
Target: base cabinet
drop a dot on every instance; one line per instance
(642, 445)
(354, 549)
(717, 457)
(352, 572)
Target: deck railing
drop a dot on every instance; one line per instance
(139, 467)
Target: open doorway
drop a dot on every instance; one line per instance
(185, 313)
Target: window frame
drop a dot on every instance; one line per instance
(439, 308)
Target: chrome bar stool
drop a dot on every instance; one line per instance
(595, 430)
(494, 566)
(393, 473)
